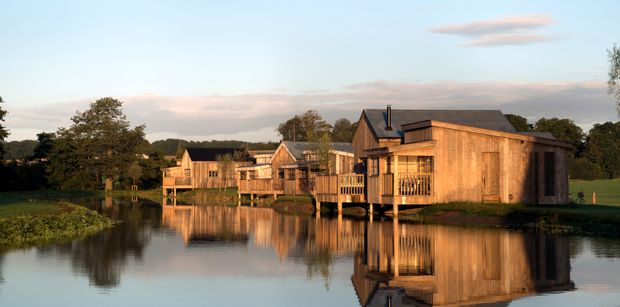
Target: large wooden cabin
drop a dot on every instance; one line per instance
(199, 168)
(414, 157)
(292, 169)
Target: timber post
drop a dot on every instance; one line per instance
(395, 186)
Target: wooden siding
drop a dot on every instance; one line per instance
(363, 138)
(419, 135)
(459, 168)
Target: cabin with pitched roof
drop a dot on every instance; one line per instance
(292, 168)
(199, 168)
(416, 157)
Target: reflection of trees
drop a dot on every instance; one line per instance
(576, 245)
(103, 256)
(606, 248)
(1, 266)
(319, 260)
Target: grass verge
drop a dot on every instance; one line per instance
(569, 219)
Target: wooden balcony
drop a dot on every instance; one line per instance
(408, 188)
(177, 182)
(340, 188)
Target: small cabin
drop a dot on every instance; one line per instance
(420, 157)
(202, 168)
(293, 167)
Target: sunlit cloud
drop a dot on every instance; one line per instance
(254, 117)
(508, 30)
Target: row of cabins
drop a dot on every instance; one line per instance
(416, 157)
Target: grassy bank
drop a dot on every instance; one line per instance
(570, 219)
(25, 221)
(607, 191)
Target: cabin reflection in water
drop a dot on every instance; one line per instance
(438, 265)
(394, 263)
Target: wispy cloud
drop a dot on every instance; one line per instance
(254, 117)
(508, 30)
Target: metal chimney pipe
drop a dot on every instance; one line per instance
(388, 119)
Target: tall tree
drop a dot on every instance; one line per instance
(613, 83)
(323, 149)
(304, 127)
(4, 132)
(562, 129)
(519, 122)
(603, 147)
(98, 145)
(343, 130)
(45, 142)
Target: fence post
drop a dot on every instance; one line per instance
(594, 198)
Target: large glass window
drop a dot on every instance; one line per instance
(415, 164)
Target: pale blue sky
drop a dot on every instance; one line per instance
(56, 52)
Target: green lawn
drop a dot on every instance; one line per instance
(30, 218)
(607, 190)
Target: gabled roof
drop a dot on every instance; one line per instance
(297, 148)
(209, 154)
(487, 119)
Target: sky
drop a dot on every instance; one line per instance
(205, 70)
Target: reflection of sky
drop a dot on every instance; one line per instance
(173, 274)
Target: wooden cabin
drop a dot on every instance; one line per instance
(199, 168)
(415, 157)
(292, 168)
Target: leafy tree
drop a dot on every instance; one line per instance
(562, 129)
(4, 132)
(603, 148)
(304, 127)
(613, 83)
(98, 145)
(226, 165)
(343, 131)
(19, 150)
(519, 122)
(323, 148)
(134, 172)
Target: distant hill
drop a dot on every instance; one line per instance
(18, 150)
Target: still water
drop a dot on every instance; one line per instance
(222, 256)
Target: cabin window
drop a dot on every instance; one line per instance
(374, 167)
(252, 174)
(549, 173)
(212, 174)
(243, 175)
(291, 174)
(186, 172)
(415, 164)
(281, 173)
(303, 175)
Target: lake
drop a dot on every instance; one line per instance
(243, 256)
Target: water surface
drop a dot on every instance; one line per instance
(237, 256)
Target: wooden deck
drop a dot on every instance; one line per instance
(262, 186)
(341, 188)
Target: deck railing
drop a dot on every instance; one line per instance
(346, 184)
(173, 181)
(415, 184)
(260, 185)
(409, 184)
(351, 184)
